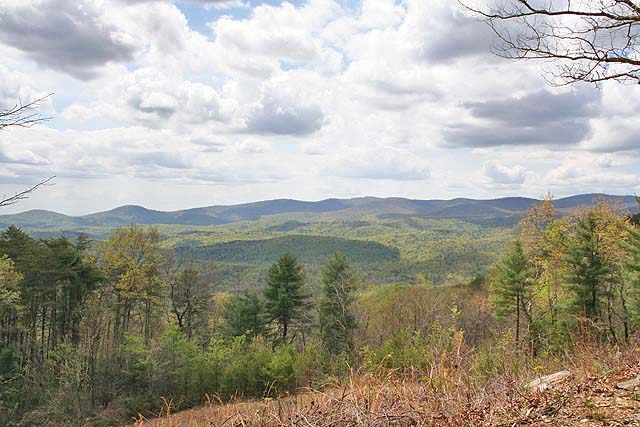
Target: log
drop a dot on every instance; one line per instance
(547, 381)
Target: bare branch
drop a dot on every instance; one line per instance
(591, 41)
(22, 115)
(6, 201)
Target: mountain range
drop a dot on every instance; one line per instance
(493, 212)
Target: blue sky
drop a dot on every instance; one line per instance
(178, 104)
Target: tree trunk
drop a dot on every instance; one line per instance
(518, 319)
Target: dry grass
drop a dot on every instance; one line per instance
(443, 396)
(367, 400)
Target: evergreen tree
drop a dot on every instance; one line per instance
(285, 299)
(511, 287)
(336, 316)
(632, 267)
(588, 267)
(635, 218)
(244, 315)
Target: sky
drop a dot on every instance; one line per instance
(178, 104)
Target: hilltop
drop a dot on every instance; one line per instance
(390, 240)
(491, 212)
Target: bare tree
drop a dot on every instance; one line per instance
(23, 115)
(189, 292)
(584, 40)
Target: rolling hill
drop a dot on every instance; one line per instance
(309, 249)
(494, 212)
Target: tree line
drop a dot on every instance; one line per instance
(571, 277)
(124, 322)
(102, 330)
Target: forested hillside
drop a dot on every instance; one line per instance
(95, 332)
(501, 212)
(390, 240)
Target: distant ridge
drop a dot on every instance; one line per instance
(491, 212)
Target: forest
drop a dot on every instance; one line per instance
(103, 332)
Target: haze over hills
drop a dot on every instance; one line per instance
(493, 212)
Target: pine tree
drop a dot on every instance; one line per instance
(588, 267)
(511, 287)
(244, 315)
(632, 266)
(336, 316)
(285, 299)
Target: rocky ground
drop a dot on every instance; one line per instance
(608, 400)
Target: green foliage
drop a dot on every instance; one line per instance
(9, 280)
(181, 370)
(632, 267)
(402, 351)
(311, 249)
(285, 300)
(511, 287)
(245, 373)
(511, 282)
(87, 330)
(244, 315)
(281, 370)
(337, 321)
(136, 369)
(9, 382)
(588, 268)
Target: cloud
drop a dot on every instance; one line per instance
(254, 146)
(575, 173)
(372, 97)
(539, 107)
(67, 36)
(501, 174)
(444, 33)
(162, 159)
(283, 114)
(216, 4)
(223, 4)
(78, 113)
(274, 32)
(539, 118)
(381, 164)
(21, 157)
(17, 88)
(149, 96)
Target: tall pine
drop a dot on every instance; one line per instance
(511, 287)
(244, 315)
(336, 312)
(285, 300)
(632, 263)
(588, 268)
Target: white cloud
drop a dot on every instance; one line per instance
(384, 163)
(501, 174)
(378, 98)
(254, 146)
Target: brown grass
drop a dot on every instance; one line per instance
(442, 396)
